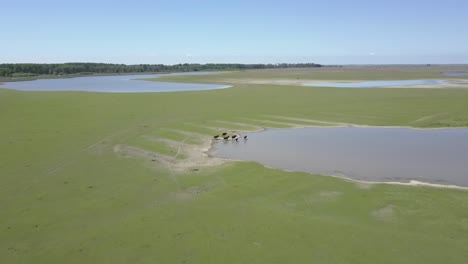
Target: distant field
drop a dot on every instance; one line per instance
(120, 178)
(333, 73)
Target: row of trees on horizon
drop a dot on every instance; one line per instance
(12, 69)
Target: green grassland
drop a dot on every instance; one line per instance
(333, 73)
(68, 196)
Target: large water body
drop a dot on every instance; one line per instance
(438, 156)
(112, 84)
(377, 84)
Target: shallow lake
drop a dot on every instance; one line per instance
(112, 84)
(377, 84)
(455, 73)
(437, 156)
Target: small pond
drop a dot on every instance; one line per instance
(112, 84)
(377, 84)
(438, 156)
(455, 74)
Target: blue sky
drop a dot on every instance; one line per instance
(169, 32)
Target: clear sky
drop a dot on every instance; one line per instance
(253, 31)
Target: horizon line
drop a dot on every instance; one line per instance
(275, 63)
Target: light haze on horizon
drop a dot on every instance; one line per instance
(171, 32)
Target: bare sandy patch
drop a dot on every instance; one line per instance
(179, 146)
(363, 185)
(449, 84)
(195, 156)
(386, 213)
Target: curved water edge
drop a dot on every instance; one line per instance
(113, 84)
(378, 84)
(374, 155)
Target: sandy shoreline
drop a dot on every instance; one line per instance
(450, 83)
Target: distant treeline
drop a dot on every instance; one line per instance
(9, 69)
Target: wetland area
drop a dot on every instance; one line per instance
(126, 172)
(232, 132)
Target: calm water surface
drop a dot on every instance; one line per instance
(112, 84)
(376, 84)
(455, 73)
(371, 154)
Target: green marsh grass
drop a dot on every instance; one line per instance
(66, 196)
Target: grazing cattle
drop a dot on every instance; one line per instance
(216, 137)
(224, 133)
(233, 137)
(237, 140)
(245, 137)
(226, 138)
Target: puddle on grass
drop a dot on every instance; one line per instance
(438, 156)
(112, 84)
(377, 84)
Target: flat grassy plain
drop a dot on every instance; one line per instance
(69, 193)
(351, 73)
